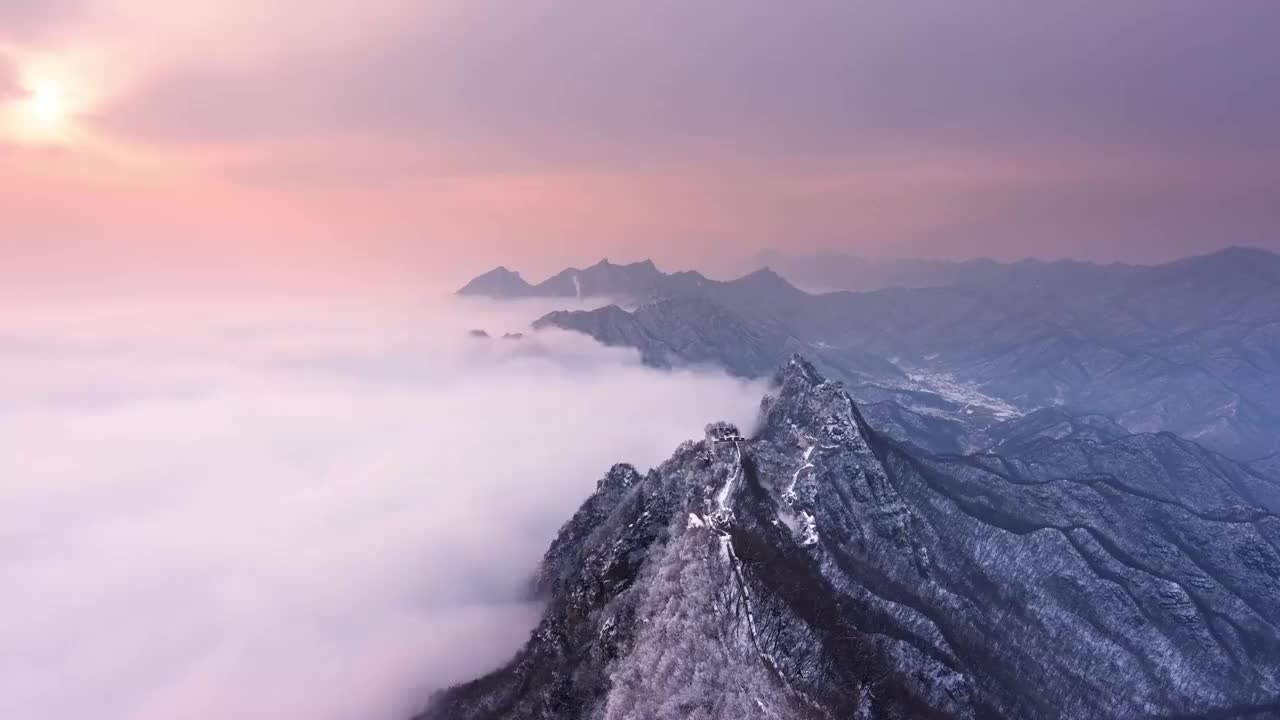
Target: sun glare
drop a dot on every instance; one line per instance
(47, 105)
(41, 114)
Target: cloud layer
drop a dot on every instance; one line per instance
(295, 509)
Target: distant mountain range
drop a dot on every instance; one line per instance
(1191, 347)
(820, 569)
(603, 279)
(824, 272)
(835, 271)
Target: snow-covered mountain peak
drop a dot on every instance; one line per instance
(808, 409)
(801, 371)
(818, 570)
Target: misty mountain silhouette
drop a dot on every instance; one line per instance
(1191, 347)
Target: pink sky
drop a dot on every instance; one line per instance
(378, 138)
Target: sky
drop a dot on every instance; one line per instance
(356, 140)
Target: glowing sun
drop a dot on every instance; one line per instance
(42, 114)
(47, 106)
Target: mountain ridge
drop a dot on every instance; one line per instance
(854, 273)
(819, 570)
(1192, 347)
(602, 279)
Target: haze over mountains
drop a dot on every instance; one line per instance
(836, 271)
(1190, 347)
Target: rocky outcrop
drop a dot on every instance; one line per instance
(682, 331)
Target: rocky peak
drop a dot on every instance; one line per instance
(499, 283)
(798, 375)
(806, 404)
(619, 478)
(769, 283)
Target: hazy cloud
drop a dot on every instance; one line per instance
(821, 77)
(28, 20)
(9, 86)
(303, 509)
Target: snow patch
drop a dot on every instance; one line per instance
(808, 529)
(722, 497)
(789, 494)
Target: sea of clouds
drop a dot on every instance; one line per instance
(263, 508)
